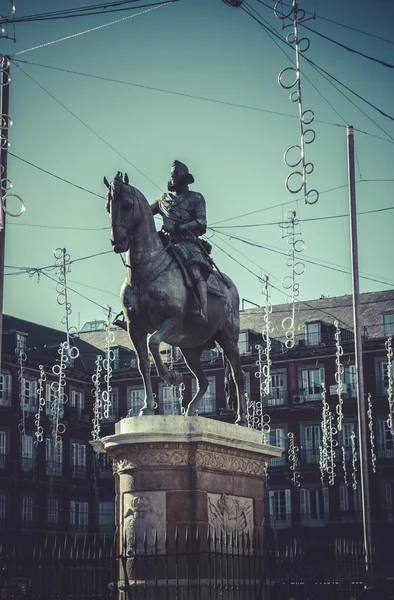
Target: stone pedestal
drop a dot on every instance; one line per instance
(189, 494)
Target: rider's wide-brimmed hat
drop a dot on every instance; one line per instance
(184, 177)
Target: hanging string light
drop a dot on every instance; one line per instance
(109, 359)
(339, 375)
(297, 180)
(390, 420)
(292, 454)
(182, 409)
(289, 282)
(344, 466)
(24, 406)
(39, 433)
(264, 362)
(354, 460)
(98, 403)
(371, 433)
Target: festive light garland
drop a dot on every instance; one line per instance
(289, 282)
(39, 433)
(371, 433)
(292, 453)
(390, 419)
(339, 373)
(98, 402)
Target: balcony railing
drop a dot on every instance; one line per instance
(78, 471)
(5, 399)
(278, 398)
(382, 385)
(54, 469)
(278, 461)
(27, 464)
(386, 451)
(4, 461)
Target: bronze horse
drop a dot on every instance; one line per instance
(156, 299)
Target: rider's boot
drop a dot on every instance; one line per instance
(200, 311)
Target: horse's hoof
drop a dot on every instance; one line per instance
(146, 412)
(241, 422)
(174, 378)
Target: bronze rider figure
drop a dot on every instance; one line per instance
(184, 220)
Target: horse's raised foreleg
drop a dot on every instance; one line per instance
(168, 329)
(140, 344)
(230, 348)
(193, 360)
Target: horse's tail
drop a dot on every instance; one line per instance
(230, 390)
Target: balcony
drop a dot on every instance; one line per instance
(277, 398)
(382, 385)
(27, 464)
(386, 450)
(310, 456)
(54, 469)
(278, 461)
(78, 472)
(5, 399)
(4, 462)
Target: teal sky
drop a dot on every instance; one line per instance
(207, 49)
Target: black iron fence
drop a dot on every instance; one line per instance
(183, 566)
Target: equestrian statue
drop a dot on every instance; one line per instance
(173, 292)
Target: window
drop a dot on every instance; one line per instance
(53, 511)
(277, 437)
(278, 389)
(350, 502)
(77, 401)
(53, 457)
(350, 380)
(169, 399)
(3, 449)
(388, 323)
(243, 342)
(5, 390)
(385, 440)
(280, 508)
(208, 402)
(78, 459)
(312, 443)
(27, 511)
(29, 392)
(135, 400)
(104, 462)
(106, 516)
(383, 377)
(27, 456)
(79, 515)
(2, 509)
(115, 356)
(314, 506)
(311, 383)
(388, 500)
(50, 398)
(20, 342)
(113, 407)
(313, 333)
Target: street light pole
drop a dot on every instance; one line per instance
(361, 405)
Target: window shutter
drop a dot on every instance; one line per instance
(288, 504)
(271, 499)
(303, 502)
(325, 501)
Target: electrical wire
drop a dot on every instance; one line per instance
(74, 35)
(205, 98)
(74, 13)
(88, 127)
(56, 176)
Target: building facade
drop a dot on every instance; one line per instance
(67, 487)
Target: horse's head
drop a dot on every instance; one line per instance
(121, 200)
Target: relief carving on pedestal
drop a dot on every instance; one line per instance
(230, 516)
(144, 523)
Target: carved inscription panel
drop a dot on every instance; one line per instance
(230, 515)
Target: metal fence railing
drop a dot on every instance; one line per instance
(188, 564)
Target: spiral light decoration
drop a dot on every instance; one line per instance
(5, 125)
(292, 453)
(39, 433)
(22, 357)
(289, 282)
(339, 375)
(297, 180)
(182, 410)
(344, 466)
(390, 420)
(98, 403)
(109, 358)
(371, 433)
(259, 418)
(354, 460)
(329, 443)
